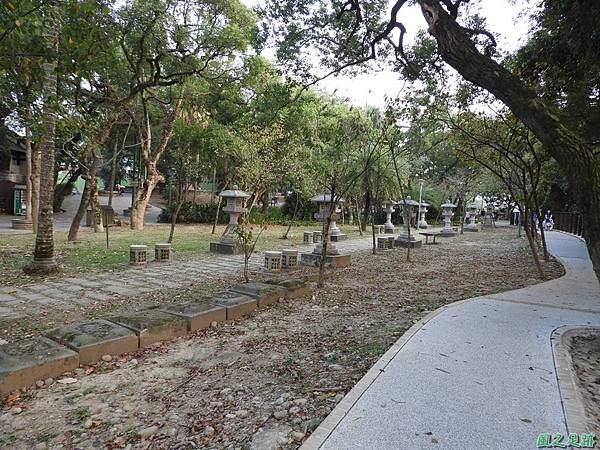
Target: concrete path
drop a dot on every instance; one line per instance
(63, 219)
(64, 295)
(477, 374)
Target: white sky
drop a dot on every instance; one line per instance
(370, 88)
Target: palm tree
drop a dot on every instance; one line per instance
(43, 256)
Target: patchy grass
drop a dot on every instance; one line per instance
(89, 253)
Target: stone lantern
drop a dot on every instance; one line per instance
(336, 233)
(389, 207)
(406, 239)
(235, 206)
(448, 213)
(489, 220)
(471, 217)
(333, 257)
(422, 223)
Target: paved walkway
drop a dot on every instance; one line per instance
(70, 293)
(477, 374)
(63, 219)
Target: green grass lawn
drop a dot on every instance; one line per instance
(89, 253)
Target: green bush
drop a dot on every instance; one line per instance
(306, 209)
(275, 216)
(193, 213)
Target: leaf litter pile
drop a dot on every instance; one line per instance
(267, 380)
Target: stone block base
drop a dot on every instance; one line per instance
(389, 231)
(22, 224)
(23, 363)
(225, 249)
(236, 304)
(152, 325)
(403, 243)
(198, 315)
(471, 229)
(95, 338)
(296, 288)
(338, 237)
(332, 261)
(264, 294)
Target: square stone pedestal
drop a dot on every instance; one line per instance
(225, 249)
(152, 325)
(236, 304)
(472, 230)
(332, 261)
(95, 338)
(406, 243)
(265, 294)
(24, 362)
(338, 237)
(199, 314)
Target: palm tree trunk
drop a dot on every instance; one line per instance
(43, 255)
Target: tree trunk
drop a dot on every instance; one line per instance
(325, 243)
(95, 204)
(43, 255)
(360, 222)
(83, 204)
(150, 158)
(35, 185)
(180, 201)
(113, 174)
(577, 157)
(214, 228)
(65, 189)
(143, 197)
(365, 219)
(28, 180)
(285, 236)
(532, 245)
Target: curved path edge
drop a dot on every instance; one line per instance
(362, 418)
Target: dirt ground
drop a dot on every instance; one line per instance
(268, 380)
(585, 352)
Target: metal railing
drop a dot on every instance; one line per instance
(571, 222)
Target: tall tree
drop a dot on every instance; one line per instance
(358, 31)
(43, 256)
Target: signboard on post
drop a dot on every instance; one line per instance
(108, 218)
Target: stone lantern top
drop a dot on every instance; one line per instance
(408, 202)
(473, 205)
(425, 204)
(448, 204)
(324, 198)
(234, 193)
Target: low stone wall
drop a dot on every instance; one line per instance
(24, 363)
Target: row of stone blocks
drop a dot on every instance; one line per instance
(138, 254)
(277, 260)
(64, 349)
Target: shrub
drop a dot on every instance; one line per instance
(193, 213)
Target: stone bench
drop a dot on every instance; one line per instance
(198, 314)
(152, 325)
(23, 363)
(265, 294)
(429, 234)
(95, 338)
